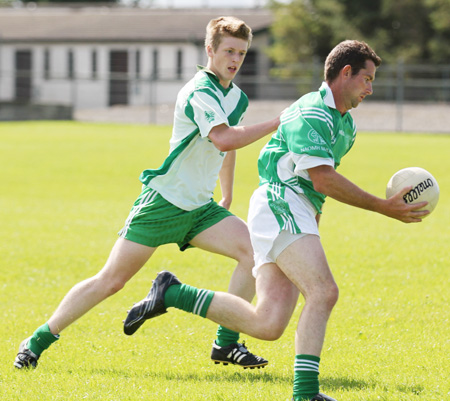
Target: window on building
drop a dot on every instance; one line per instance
(155, 64)
(119, 86)
(179, 64)
(94, 64)
(24, 75)
(47, 64)
(137, 64)
(70, 64)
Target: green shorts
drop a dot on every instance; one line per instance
(153, 221)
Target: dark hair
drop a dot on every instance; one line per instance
(349, 52)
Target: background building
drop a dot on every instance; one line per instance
(123, 63)
(94, 57)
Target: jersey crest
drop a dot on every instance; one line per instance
(314, 137)
(210, 115)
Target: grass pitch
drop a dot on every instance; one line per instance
(66, 189)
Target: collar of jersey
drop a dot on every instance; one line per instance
(327, 95)
(215, 79)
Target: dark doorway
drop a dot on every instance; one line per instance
(118, 77)
(23, 67)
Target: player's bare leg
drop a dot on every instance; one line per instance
(125, 260)
(304, 262)
(277, 298)
(302, 266)
(230, 238)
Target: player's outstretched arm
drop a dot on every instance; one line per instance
(329, 182)
(227, 138)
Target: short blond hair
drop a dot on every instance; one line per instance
(226, 26)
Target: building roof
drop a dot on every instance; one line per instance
(117, 24)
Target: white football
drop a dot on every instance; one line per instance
(425, 186)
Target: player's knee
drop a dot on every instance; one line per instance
(334, 295)
(330, 295)
(242, 249)
(272, 329)
(116, 286)
(244, 257)
(324, 296)
(244, 253)
(273, 333)
(109, 285)
(248, 261)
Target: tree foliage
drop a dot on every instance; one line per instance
(416, 31)
(70, 1)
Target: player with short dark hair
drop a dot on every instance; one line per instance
(176, 205)
(297, 170)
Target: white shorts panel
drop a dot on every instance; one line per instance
(265, 229)
(284, 239)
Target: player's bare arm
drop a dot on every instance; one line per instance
(227, 138)
(329, 182)
(226, 178)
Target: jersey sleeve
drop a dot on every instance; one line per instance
(308, 140)
(205, 111)
(304, 162)
(305, 139)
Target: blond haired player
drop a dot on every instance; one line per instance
(176, 204)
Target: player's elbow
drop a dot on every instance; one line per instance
(223, 146)
(223, 142)
(222, 137)
(320, 186)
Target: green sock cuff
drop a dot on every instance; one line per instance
(306, 377)
(226, 336)
(188, 298)
(41, 339)
(204, 299)
(307, 357)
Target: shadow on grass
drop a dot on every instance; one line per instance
(253, 376)
(335, 383)
(339, 383)
(244, 375)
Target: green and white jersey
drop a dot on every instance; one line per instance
(188, 176)
(311, 133)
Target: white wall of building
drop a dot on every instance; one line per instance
(6, 72)
(86, 90)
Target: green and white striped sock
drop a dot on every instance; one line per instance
(306, 377)
(188, 298)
